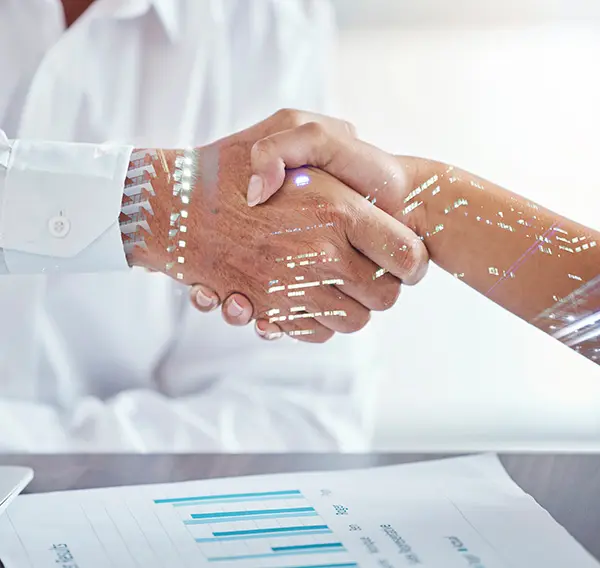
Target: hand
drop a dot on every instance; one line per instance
(296, 258)
(382, 178)
(237, 309)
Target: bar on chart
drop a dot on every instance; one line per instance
(273, 532)
(342, 565)
(231, 498)
(319, 548)
(250, 515)
(271, 512)
(256, 527)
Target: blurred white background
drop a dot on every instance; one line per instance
(511, 91)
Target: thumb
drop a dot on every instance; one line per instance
(268, 175)
(359, 165)
(305, 145)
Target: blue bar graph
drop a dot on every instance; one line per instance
(231, 497)
(253, 518)
(255, 536)
(321, 546)
(227, 545)
(271, 530)
(219, 514)
(266, 533)
(343, 565)
(313, 549)
(240, 500)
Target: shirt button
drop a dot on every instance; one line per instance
(59, 227)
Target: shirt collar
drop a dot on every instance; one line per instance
(169, 17)
(165, 10)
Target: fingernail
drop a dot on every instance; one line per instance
(261, 328)
(234, 309)
(205, 301)
(255, 189)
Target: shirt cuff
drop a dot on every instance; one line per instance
(61, 206)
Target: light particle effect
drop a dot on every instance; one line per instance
(185, 179)
(302, 180)
(135, 206)
(573, 315)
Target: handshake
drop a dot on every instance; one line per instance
(301, 226)
(294, 223)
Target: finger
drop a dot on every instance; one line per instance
(268, 331)
(306, 331)
(333, 309)
(366, 282)
(237, 310)
(286, 119)
(388, 243)
(291, 149)
(204, 299)
(365, 168)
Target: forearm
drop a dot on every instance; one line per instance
(537, 264)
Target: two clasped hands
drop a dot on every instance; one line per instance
(299, 225)
(316, 258)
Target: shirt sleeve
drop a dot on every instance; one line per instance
(60, 205)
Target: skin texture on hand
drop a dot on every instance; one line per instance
(375, 174)
(515, 252)
(298, 259)
(533, 262)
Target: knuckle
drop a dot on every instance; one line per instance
(351, 129)
(262, 149)
(327, 249)
(315, 130)
(341, 216)
(288, 118)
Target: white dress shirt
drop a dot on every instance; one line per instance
(118, 360)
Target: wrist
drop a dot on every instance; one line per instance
(436, 189)
(421, 182)
(148, 184)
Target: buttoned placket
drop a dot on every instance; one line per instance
(34, 108)
(60, 42)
